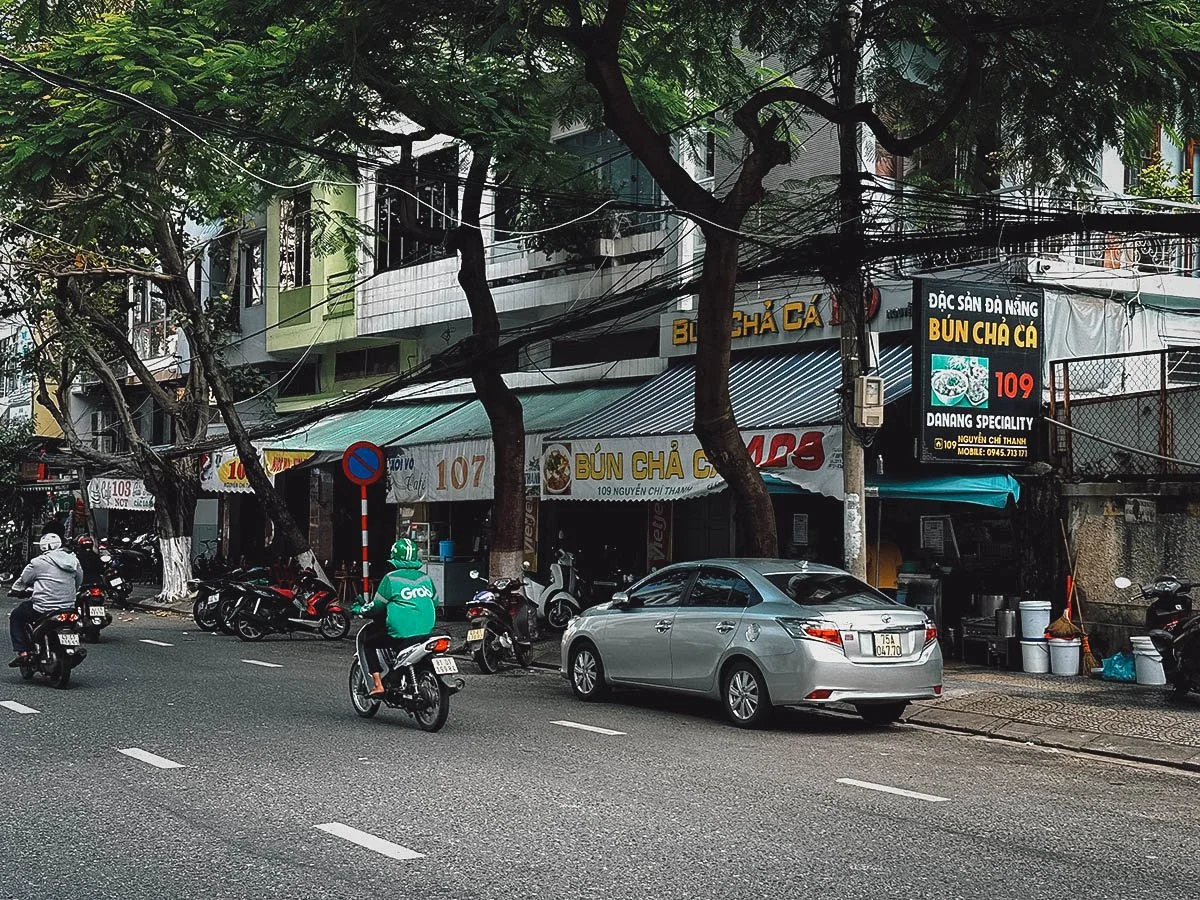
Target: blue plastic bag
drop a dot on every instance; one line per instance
(1119, 668)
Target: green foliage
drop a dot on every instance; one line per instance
(16, 441)
(1159, 182)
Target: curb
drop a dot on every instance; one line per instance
(1138, 750)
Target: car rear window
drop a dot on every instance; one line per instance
(830, 590)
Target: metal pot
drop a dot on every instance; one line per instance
(1006, 623)
(988, 604)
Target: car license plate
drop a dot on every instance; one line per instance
(96, 611)
(888, 645)
(475, 634)
(444, 665)
(116, 582)
(69, 640)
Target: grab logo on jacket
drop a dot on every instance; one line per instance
(410, 593)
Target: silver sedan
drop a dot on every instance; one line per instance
(756, 634)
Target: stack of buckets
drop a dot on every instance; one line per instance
(1035, 650)
(1039, 655)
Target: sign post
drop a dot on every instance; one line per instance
(364, 464)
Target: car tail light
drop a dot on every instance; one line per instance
(820, 695)
(66, 617)
(812, 629)
(930, 633)
(441, 645)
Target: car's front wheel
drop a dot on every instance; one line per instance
(744, 695)
(586, 672)
(881, 713)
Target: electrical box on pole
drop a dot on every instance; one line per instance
(868, 401)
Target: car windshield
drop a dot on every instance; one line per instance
(829, 590)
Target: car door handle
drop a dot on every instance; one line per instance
(662, 625)
(725, 627)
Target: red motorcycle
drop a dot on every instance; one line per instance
(311, 606)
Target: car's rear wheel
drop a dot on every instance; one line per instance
(881, 713)
(586, 672)
(744, 695)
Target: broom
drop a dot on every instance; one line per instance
(1062, 627)
(1090, 662)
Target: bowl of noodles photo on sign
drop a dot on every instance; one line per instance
(958, 381)
(556, 469)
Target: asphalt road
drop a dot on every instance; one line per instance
(504, 803)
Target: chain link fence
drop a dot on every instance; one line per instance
(1127, 413)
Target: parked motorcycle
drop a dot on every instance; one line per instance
(1174, 629)
(116, 587)
(135, 561)
(419, 680)
(214, 597)
(557, 602)
(312, 606)
(56, 647)
(100, 569)
(93, 616)
(494, 613)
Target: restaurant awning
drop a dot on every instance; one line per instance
(981, 490)
(766, 391)
(456, 419)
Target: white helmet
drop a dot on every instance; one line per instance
(49, 542)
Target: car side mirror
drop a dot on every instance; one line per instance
(621, 600)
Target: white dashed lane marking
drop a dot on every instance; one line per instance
(17, 707)
(156, 643)
(151, 759)
(265, 665)
(379, 845)
(582, 727)
(899, 792)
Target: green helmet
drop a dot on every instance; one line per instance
(405, 550)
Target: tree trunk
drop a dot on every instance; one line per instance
(714, 421)
(202, 342)
(176, 487)
(501, 404)
(850, 291)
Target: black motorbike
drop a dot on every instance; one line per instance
(93, 614)
(214, 597)
(503, 624)
(312, 607)
(56, 648)
(419, 680)
(1174, 629)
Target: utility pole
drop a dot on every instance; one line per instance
(850, 286)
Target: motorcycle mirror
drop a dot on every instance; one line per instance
(475, 574)
(526, 566)
(1122, 583)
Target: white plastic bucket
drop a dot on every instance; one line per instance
(1035, 657)
(1064, 656)
(1147, 661)
(1035, 618)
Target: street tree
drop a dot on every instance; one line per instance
(100, 188)
(1059, 79)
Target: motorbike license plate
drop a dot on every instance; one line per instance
(96, 611)
(69, 640)
(888, 645)
(475, 634)
(116, 582)
(444, 665)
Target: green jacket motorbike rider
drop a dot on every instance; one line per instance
(403, 611)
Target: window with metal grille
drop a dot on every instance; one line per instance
(419, 196)
(623, 175)
(1183, 365)
(295, 241)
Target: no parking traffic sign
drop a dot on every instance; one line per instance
(363, 463)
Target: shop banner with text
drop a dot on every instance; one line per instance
(977, 377)
(459, 470)
(120, 493)
(221, 471)
(675, 468)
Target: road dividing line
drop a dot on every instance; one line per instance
(150, 759)
(379, 845)
(156, 643)
(587, 728)
(265, 665)
(899, 792)
(17, 707)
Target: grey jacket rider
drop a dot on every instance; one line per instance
(55, 577)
